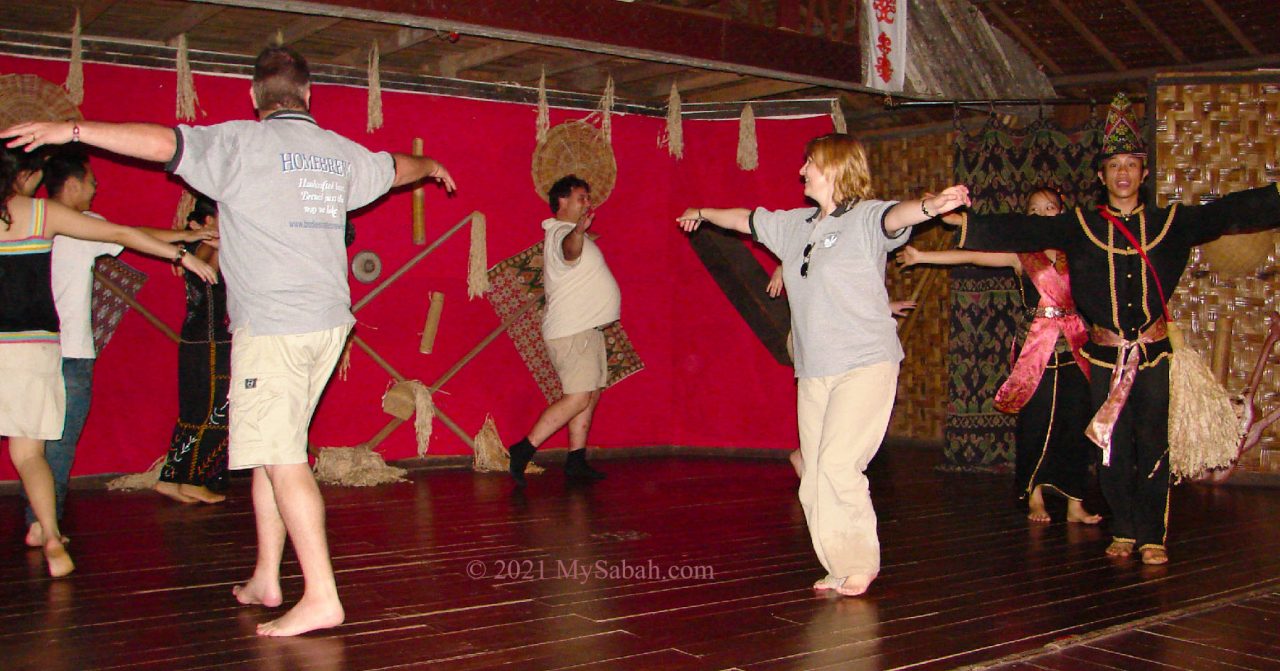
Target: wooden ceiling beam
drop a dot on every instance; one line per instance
(1156, 32)
(1023, 38)
(183, 21)
(689, 84)
(90, 10)
(1088, 35)
(305, 26)
(1098, 78)
(748, 90)
(1231, 27)
(449, 66)
(652, 32)
(531, 72)
(401, 39)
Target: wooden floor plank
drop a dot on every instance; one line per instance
(456, 570)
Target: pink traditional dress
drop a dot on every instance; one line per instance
(1048, 387)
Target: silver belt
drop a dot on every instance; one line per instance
(1052, 312)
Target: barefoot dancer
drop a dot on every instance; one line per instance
(846, 344)
(196, 466)
(285, 262)
(32, 396)
(1122, 294)
(1048, 387)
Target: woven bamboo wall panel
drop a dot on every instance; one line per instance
(907, 168)
(1212, 139)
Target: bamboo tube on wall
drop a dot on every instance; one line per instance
(419, 203)
(1222, 348)
(433, 323)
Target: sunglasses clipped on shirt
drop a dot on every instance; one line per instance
(804, 267)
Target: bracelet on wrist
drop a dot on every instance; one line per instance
(75, 131)
(182, 251)
(925, 210)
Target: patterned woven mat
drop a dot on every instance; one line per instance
(518, 280)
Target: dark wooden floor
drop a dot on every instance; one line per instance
(425, 571)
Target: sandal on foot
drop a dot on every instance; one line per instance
(1120, 549)
(1154, 556)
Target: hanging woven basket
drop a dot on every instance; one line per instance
(575, 148)
(1239, 255)
(32, 98)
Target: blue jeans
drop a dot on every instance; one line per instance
(77, 375)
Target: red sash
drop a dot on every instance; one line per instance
(1042, 337)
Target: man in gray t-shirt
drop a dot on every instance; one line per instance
(283, 187)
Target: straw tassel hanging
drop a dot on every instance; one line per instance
(478, 258)
(837, 117)
(424, 411)
(674, 138)
(544, 116)
(187, 99)
(375, 90)
(75, 72)
(606, 110)
(748, 151)
(278, 40)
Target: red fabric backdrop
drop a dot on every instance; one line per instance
(707, 382)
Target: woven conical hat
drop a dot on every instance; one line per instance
(575, 148)
(31, 98)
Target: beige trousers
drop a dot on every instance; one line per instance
(843, 419)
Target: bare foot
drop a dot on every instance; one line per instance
(1154, 556)
(304, 617)
(173, 491)
(259, 592)
(1120, 549)
(827, 584)
(797, 462)
(1077, 513)
(201, 493)
(855, 585)
(35, 536)
(60, 563)
(1036, 512)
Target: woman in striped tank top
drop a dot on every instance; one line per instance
(31, 390)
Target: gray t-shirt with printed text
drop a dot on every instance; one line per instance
(283, 187)
(840, 316)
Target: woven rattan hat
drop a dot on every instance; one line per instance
(31, 98)
(575, 148)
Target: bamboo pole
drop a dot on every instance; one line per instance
(419, 204)
(133, 303)
(428, 341)
(922, 286)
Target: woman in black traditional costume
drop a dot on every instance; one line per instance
(196, 466)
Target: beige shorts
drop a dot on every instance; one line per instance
(33, 398)
(580, 360)
(276, 382)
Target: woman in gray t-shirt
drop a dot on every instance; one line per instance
(846, 345)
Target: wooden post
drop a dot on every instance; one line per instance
(1222, 348)
(433, 323)
(419, 204)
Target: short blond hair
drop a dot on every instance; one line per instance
(844, 160)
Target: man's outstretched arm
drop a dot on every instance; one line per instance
(150, 142)
(411, 169)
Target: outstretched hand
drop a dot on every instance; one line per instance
(951, 198)
(690, 220)
(202, 270)
(909, 256)
(35, 134)
(441, 174)
(774, 288)
(901, 308)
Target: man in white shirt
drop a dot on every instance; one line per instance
(582, 298)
